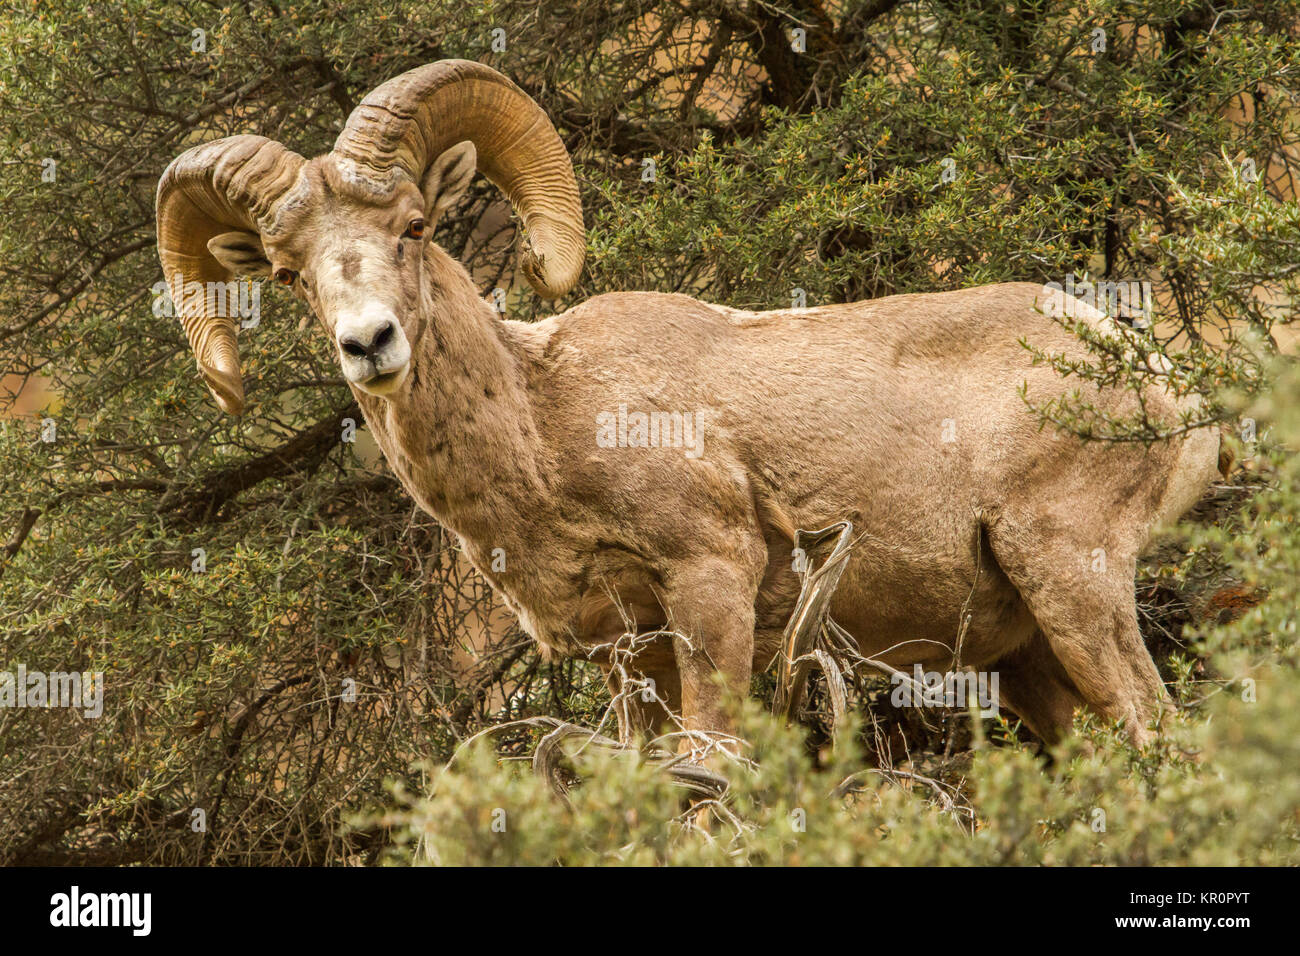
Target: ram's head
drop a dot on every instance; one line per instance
(347, 231)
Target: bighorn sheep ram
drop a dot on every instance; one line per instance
(805, 416)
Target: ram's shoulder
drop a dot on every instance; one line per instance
(639, 308)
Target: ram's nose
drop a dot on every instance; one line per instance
(367, 339)
(373, 349)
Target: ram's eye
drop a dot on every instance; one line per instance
(285, 276)
(415, 229)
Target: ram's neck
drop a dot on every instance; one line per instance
(461, 436)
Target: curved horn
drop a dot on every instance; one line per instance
(406, 123)
(231, 183)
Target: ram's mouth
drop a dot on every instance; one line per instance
(385, 383)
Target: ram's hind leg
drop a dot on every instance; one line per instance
(1080, 592)
(1034, 686)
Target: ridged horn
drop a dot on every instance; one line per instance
(231, 183)
(405, 124)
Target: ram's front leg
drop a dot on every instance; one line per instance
(710, 608)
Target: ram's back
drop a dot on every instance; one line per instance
(814, 402)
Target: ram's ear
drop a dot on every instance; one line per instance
(447, 179)
(240, 253)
